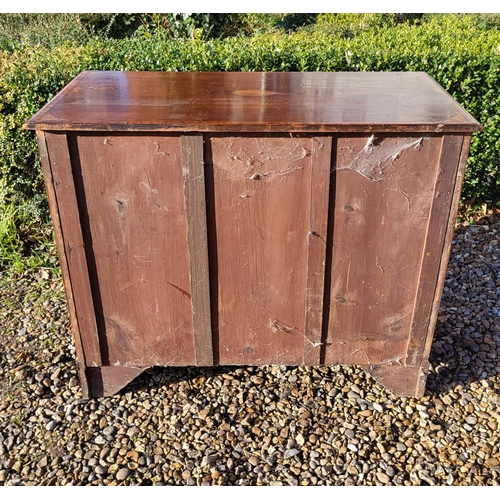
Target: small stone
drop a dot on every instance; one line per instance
(9, 463)
(101, 469)
(254, 461)
(109, 430)
(383, 478)
(492, 425)
(132, 431)
(122, 474)
(425, 476)
(257, 380)
(52, 425)
(203, 414)
(352, 447)
(186, 474)
(378, 407)
(291, 453)
(99, 440)
(390, 471)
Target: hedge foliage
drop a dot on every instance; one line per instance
(457, 51)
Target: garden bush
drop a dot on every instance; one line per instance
(462, 53)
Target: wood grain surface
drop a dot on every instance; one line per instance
(380, 226)
(75, 254)
(196, 220)
(254, 102)
(135, 228)
(263, 194)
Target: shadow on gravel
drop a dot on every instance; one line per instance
(466, 347)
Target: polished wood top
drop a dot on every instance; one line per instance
(253, 102)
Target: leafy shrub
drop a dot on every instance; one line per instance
(459, 52)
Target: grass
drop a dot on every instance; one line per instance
(24, 242)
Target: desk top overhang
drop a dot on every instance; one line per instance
(254, 102)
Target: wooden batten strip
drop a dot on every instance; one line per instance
(436, 250)
(56, 225)
(316, 255)
(73, 249)
(447, 244)
(196, 219)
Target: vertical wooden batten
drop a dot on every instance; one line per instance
(455, 185)
(196, 220)
(56, 224)
(433, 251)
(316, 241)
(73, 246)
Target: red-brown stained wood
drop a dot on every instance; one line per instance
(168, 243)
(108, 380)
(405, 381)
(382, 207)
(262, 208)
(321, 157)
(196, 220)
(133, 188)
(434, 242)
(56, 224)
(254, 102)
(73, 245)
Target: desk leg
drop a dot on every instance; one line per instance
(403, 381)
(109, 380)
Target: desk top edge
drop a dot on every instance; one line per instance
(253, 102)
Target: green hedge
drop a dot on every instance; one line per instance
(457, 51)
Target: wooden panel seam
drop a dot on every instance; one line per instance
(196, 221)
(74, 250)
(316, 255)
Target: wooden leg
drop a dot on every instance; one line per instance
(403, 381)
(108, 380)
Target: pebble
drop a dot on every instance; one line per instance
(122, 474)
(51, 425)
(100, 469)
(291, 453)
(269, 425)
(383, 478)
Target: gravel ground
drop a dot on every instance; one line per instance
(269, 425)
